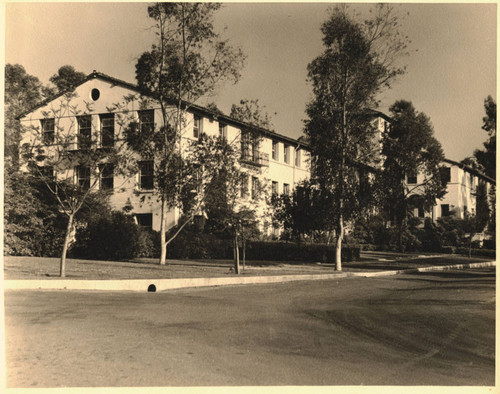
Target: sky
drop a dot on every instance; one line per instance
(450, 70)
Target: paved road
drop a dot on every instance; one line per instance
(423, 329)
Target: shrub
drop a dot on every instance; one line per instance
(285, 251)
(112, 237)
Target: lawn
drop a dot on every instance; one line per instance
(18, 267)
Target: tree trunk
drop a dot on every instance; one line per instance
(163, 225)
(244, 249)
(236, 255)
(338, 244)
(67, 239)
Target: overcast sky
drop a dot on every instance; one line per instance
(450, 71)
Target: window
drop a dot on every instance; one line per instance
(274, 188)
(445, 173)
(83, 177)
(146, 175)
(147, 120)
(107, 130)
(286, 155)
(196, 126)
(244, 186)
(84, 131)
(48, 126)
(144, 220)
(223, 131)
(297, 158)
(106, 178)
(275, 154)
(420, 212)
(445, 210)
(411, 178)
(95, 94)
(286, 188)
(255, 187)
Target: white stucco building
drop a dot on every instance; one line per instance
(102, 106)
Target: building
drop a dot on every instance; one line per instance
(102, 106)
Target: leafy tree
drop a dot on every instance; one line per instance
(357, 63)
(487, 157)
(250, 111)
(304, 213)
(410, 149)
(230, 208)
(22, 92)
(188, 61)
(66, 79)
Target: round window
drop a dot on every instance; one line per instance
(95, 94)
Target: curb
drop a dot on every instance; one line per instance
(153, 285)
(427, 269)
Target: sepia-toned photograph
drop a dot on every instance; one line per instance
(273, 196)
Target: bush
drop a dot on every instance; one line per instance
(112, 237)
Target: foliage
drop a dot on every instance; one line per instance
(487, 157)
(66, 79)
(22, 92)
(188, 61)
(304, 213)
(357, 63)
(250, 111)
(410, 148)
(286, 251)
(114, 236)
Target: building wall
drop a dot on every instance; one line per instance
(126, 189)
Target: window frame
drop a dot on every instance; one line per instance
(223, 131)
(84, 138)
(83, 180)
(48, 134)
(297, 158)
(286, 189)
(107, 130)
(106, 176)
(146, 120)
(286, 153)
(274, 188)
(275, 151)
(196, 126)
(140, 216)
(146, 179)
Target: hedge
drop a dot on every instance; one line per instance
(287, 251)
(207, 246)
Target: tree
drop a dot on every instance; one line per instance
(487, 157)
(304, 213)
(66, 79)
(357, 63)
(22, 92)
(229, 206)
(72, 171)
(250, 111)
(411, 176)
(188, 61)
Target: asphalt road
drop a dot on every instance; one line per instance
(423, 329)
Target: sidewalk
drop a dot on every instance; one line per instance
(92, 275)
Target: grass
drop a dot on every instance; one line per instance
(19, 267)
